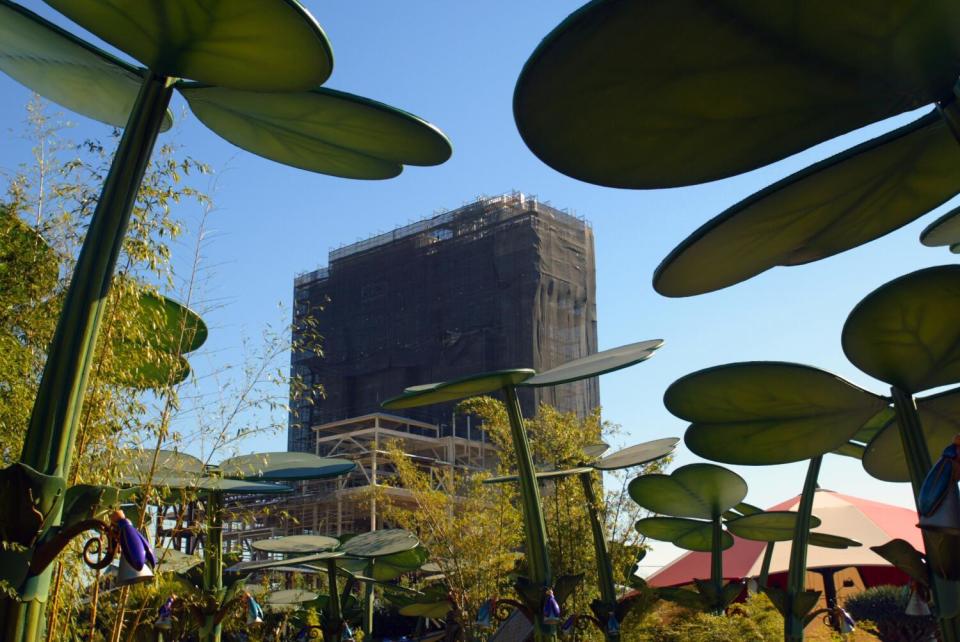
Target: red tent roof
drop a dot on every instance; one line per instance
(871, 523)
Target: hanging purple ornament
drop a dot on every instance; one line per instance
(134, 547)
(551, 610)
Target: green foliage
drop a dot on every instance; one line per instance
(884, 607)
(755, 620)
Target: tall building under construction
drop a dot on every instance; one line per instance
(503, 282)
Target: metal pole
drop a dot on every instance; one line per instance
(48, 445)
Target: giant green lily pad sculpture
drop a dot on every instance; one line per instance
(383, 556)
(832, 206)
(651, 95)
(250, 54)
(532, 589)
(764, 413)
(907, 334)
(944, 231)
(636, 455)
(694, 497)
(246, 474)
(163, 332)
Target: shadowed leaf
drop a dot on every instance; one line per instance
(772, 526)
(649, 95)
(905, 557)
(939, 420)
(284, 466)
(762, 413)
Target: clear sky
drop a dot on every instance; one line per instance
(455, 64)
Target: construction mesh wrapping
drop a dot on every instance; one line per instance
(505, 282)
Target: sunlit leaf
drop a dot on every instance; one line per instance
(768, 412)
(431, 393)
(907, 332)
(296, 544)
(320, 130)
(284, 466)
(380, 543)
(832, 206)
(65, 69)
(272, 45)
(596, 364)
(701, 491)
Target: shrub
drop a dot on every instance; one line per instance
(884, 607)
(755, 620)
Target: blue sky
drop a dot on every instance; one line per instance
(455, 64)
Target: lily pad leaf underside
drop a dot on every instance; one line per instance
(765, 412)
(940, 420)
(835, 205)
(284, 466)
(257, 45)
(943, 231)
(63, 68)
(688, 534)
(773, 526)
(320, 130)
(380, 543)
(907, 332)
(481, 384)
(666, 94)
(699, 491)
(300, 544)
(597, 364)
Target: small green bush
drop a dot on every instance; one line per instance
(755, 620)
(884, 607)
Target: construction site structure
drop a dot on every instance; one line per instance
(349, 504)
(502, 282)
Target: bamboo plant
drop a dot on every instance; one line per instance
(531, 590)
(260, 93)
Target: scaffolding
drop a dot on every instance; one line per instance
(503, 282)
(348, 504)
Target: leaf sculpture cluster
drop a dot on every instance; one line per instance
(612, 97)
(377, 557)
(691, 502)
(250, 70)
(244, 474)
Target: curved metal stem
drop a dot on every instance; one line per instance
(45, 554)
(48, 444)
(608, 592)
(535, 531)
(796, 577)
(919, 463)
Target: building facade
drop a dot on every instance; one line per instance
(503, 282)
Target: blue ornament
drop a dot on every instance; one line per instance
(551, 610)
(134, 547)
(938, 480)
